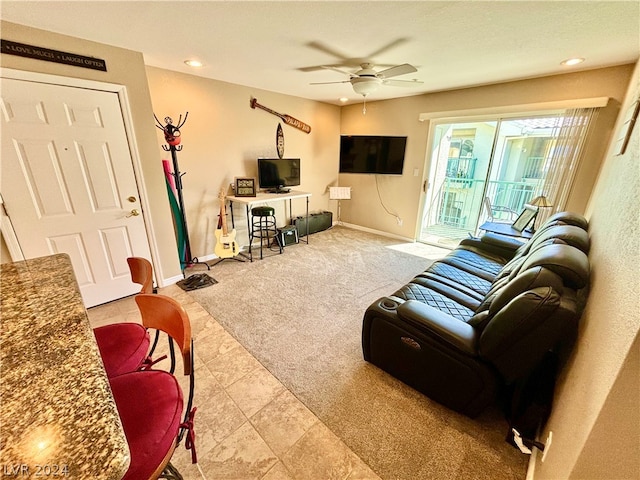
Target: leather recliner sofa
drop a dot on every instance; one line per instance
(484, 316)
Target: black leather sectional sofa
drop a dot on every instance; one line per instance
(483, 317)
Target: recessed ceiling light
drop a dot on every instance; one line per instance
(572, 61)
(193, 63)
(344, 99)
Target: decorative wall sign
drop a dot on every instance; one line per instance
(39, 53)
(280, 141)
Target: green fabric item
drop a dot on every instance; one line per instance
(178, 225)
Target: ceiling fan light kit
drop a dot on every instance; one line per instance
(365, 85)
(366, 80)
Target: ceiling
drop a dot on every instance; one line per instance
(283, 46)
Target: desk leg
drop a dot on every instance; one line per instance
(249, 234)
(307, 220)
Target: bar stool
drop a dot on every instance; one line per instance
(151, 402)
(263, 227)
(124, 347)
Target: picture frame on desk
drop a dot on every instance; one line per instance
(245, 187)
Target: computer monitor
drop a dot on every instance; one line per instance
(274, 174)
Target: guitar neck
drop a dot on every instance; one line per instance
(223, 217)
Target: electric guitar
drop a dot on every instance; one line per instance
(226, 245)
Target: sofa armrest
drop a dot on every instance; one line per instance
(494, 244)
(435, 323)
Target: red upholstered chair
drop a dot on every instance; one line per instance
(125, 346)
(150, 402)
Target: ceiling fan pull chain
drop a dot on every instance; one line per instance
(364, 105)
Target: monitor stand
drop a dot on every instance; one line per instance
(279, 190)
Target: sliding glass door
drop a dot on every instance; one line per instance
(483, 170)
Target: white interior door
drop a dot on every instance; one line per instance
(68, 183)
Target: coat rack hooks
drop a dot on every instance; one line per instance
(173, 137)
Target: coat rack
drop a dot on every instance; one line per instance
(172, 136)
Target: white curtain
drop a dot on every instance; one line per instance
(562, 164)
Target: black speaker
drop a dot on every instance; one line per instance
(287, 235)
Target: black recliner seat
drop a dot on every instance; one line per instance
(460, 274)
(460, 338)
(486, 255)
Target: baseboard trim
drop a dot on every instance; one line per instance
(377, 232)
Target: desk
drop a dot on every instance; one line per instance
(56, 407)
(505, 229)
(261, 198)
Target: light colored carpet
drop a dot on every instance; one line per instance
(300, 314)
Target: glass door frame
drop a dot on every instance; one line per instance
(429, 192)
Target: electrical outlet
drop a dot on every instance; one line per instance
(547, 445)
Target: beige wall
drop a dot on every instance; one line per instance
(596, 415)
(124, 67)
(224, 136)
(402, 195)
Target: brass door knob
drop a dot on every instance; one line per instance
(134, 213)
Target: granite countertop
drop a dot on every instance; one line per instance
(57, 413)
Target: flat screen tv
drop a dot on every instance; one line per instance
(372, 154)
(274, 174)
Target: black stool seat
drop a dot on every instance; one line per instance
(263, 227)
(263, 211)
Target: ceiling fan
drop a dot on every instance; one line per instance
(367, 80)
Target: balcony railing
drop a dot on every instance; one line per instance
(460, 201)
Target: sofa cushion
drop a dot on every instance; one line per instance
(460, 277)
(506, 290)
(465, 297)
(476, 261)
(413, 291)
(568, 262)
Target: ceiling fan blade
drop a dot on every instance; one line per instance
(327, 49)
(388, 46)
(339, 70)
(397, 70)
(328, 83)
(402, 83)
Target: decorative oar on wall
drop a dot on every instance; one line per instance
(288, 119)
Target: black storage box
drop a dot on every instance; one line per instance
(317, 222)
(287, 235)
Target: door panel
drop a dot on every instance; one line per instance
(42, 174)
(67, 174)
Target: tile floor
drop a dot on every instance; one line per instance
(248, 425)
